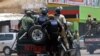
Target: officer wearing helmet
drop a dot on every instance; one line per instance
(61, 19)
(89, 21)
(43, 17)
(25, 24)
(53, 28)
(59, 16)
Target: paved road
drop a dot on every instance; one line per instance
(83, 53)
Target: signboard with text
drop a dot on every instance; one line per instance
(72, 2)
(93, 3)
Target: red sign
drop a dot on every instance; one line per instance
(34, 48)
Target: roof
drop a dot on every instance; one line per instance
(8, 33)
(10, 16)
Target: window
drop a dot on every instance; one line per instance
(6, 37)
(2, 37)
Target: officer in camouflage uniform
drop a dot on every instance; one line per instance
(25, 23)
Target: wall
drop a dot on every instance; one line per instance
(84, 11)
(17, 6)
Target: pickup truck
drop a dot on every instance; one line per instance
(92, 42)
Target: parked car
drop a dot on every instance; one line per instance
(7, 45)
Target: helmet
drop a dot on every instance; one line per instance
(89, 15)
(28, 12)
(44, 11)
(58, 10)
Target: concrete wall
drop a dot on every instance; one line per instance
(17, 6)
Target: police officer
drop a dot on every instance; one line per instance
(26, 22)
(94, 23)
(43, 17)
(60, 16)
(89, 21)
(61, 19)
(94, 26)
(53, 28)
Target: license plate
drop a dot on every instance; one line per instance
(34, 48)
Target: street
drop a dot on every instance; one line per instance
(83, 53)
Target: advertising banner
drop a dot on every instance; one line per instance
(93, 3)
(72, 2)
(76, 0)
(57, 1)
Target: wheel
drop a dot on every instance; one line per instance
(7, 51)
(91, 51)
(37, 34)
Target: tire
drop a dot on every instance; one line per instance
(37, 34)
(91, 51)
(7, 51)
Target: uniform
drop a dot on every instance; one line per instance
(53, 28)
(42, 19)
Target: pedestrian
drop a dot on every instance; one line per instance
(61, 19)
